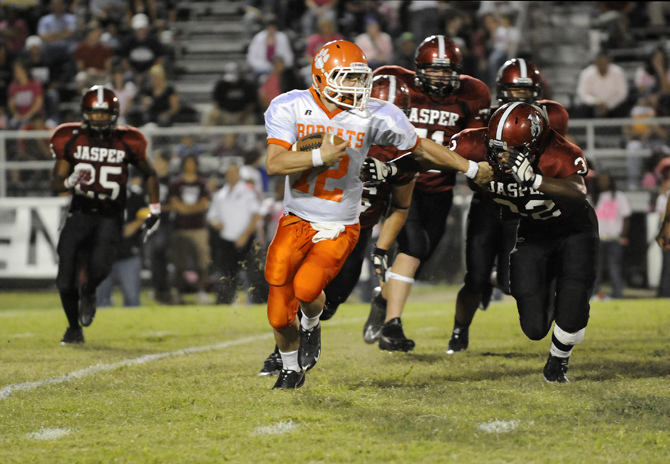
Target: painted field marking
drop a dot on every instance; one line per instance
(7, 391)
(49, 434)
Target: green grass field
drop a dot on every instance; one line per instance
(179, 385)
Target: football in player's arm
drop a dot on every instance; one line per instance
(322, 198)
(92, 159)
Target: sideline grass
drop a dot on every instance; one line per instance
(489, 404)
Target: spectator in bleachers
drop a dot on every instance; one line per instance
(375, 43)
(125, 91)
(6, 76)
(404, 51)
(48, 74)
(25, 98)
(503, 43)
(234, 99)
(653, 79)
(613, 212)
(107, 11)
(127, 269)
(326, 32)
(267, 44)
(613, 26)
(93, 58)
(157, 250)
(141, 50)
(13, 29)
(233, 214)
(316, 10)
(160, 103)
(641, 136)
(661, 208)
(602, 89)
(189, 198)
(482, 38)
(58, 31)
(282, 79)
(424, 19)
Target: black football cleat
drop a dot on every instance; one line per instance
(392, 338)
(328, 312)
(272, 365)
(310, 347)
(289, 380)
(459, 340)
(373, 326)
(556, 369)
(87, 307)
(73, 336)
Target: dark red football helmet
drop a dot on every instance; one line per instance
(518, 73)
(392, 90)
(518, 126)
(437, 52)
(99, 110)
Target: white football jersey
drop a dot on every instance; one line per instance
(333, 194)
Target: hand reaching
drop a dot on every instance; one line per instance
(77, 177)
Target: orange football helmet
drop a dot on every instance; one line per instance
(340, 73)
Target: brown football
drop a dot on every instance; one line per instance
(314, 140)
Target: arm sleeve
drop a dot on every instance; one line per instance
(394, 128)
(279, 121)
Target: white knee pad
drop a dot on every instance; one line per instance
(392, 275)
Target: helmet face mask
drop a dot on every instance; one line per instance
(438, 66)
(517, 74)
(99, 110)
(341, 75)
(515, 127)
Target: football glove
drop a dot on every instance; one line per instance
(521, 169)
(375, 171)
(380, 262)
(77, 177)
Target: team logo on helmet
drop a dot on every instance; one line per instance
(321, 59)
(535, 128)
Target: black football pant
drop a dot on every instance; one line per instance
(566, 257)
(339, 289)
(89, 243)
(489, 241)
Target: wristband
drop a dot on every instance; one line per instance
(317, 160)
(379, 251)
(473, 169)
(155, 208)
(67, 183)
(537, 182)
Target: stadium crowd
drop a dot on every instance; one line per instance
(50, 53)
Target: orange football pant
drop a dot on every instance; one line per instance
(298, 269)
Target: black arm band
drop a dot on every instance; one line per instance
(394, 206)
(407, 163)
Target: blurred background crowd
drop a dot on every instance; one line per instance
(206, 63)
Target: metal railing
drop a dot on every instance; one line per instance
(583, 130)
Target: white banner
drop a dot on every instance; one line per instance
(29, 229)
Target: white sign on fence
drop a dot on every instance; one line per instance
(29, 230)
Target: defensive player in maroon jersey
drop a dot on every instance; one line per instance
(92, 159)
(489, 239)
(540, 180)
(388, 199)
(444, 102)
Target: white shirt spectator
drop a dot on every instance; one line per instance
(611, 212)
(257, 55)
(234, 208)
(610, 89)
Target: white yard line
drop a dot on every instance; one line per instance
(7, 391)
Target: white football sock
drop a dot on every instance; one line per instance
(310, 322)
(290, 360)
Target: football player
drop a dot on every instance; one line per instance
(390, 199)
(92, 158)
(540, 180)
(444, 102)
(320, 226)
(489, 239)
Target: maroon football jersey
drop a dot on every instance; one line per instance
(557, 114)
(107, 158)
(439, 119)
(375, 198)
(560, 159)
